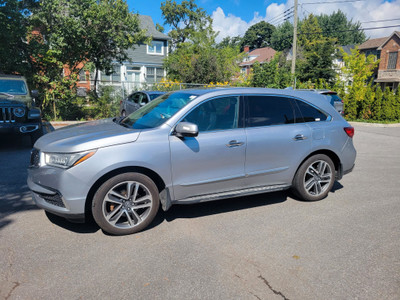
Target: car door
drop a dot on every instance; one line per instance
(133, 102)
(212, 162)
(276, 141)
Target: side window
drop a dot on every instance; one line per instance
(136, 98)
(310, 113)
(216, 114)
(269, 110)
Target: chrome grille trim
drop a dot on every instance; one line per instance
(7, 115)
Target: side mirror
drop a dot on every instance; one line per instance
(35, 93)
(186, 129)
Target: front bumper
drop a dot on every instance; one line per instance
(55, 199)
(20, 128)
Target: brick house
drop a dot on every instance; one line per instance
(261, 55)
(387, 50)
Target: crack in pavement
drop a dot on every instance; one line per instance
(270, 287)
(16, 284)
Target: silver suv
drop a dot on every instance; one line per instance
(188, 147)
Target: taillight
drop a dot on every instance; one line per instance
(349, 131)
(120, 102)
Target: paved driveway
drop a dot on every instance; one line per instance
(268, 246)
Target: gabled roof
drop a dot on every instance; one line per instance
(347, 48)
(372, 43)
(393, 34)
(263, 54)
(146, 22)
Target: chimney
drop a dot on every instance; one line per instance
(246, 49)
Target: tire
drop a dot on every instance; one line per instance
(119, 212)
(315, 178)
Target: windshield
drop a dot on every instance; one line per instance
(13, 87)
(157, 111)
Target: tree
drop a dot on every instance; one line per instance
(14, 19)
(93, 31)
(185, 19)
(230, 42)
(376, 109)
(282, 37)
(273, 74)
(318, 52)
(258, 35)
(344, 31)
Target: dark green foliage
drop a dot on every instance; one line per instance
(185, 19)
(351, 105)
(282, 37)
(388, 108)
(258, 35)
(376, 110)
(344, 31)
(365, 106)
(273, 74)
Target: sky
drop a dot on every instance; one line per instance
(232, 18)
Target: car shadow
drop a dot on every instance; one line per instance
(217, 207)
(89, 226)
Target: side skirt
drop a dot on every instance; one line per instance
(233, 194)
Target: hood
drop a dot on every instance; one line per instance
(86, 136)
(17, 100)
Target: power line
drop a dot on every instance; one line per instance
(280, 15)
(349, 30)
(338, 1)
(377, 21)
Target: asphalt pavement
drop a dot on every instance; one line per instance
(269, 246)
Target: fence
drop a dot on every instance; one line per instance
(125, 88)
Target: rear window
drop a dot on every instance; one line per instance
(310, 113)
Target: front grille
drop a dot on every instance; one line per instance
(35, 158)
(52, 199)
(7, 115)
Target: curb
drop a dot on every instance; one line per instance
(374, 124)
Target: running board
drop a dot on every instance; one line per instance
(233, 194)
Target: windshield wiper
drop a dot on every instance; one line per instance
(7, 94)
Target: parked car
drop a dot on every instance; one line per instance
(136, 100)
(191, 146)
(332, 97)
(18, 112)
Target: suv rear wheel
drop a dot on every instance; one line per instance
(315, 177)
(126, 203)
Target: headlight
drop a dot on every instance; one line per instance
(66, 160)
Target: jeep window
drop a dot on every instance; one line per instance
(158, 111)
(13, 87)
(216, 114)
(269, 110)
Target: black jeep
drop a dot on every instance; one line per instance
(18, 112)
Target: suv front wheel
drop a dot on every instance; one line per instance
(315, 178)
(125, 203)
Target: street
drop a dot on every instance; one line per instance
(269, 246)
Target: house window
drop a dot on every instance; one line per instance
(114, 77)
(156, 47)
(82, 75)
(154, 74)
(392, 60)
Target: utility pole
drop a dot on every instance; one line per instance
(294, 46)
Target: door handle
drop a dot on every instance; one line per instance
(234, 143)
(300, 137)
